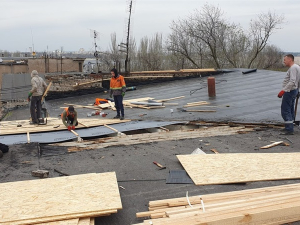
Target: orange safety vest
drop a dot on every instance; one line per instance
(99, 100)
(117, 83)
(68, 114)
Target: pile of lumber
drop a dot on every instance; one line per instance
(271, 205)
(63, 200)
(182, 71)
(142, 103)
(152, 137)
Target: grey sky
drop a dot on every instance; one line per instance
(67, 23)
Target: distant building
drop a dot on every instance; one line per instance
(19, 65)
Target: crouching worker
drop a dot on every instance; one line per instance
(69, 118)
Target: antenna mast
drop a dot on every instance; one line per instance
(96, 53)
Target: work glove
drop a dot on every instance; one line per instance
(281, 93)
(73, 127)
(123, 94)
(69, 128)
(29, 95)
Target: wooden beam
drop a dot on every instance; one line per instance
(46, 91)
(272, 145)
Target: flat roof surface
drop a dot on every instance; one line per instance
(239, 97)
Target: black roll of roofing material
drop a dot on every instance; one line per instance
(249, 71)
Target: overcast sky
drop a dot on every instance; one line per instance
(67, 23)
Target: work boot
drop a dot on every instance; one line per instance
(287, 133)
(117, 117)
(122, 118)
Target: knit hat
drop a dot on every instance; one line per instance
(71, 109)
(34, 72)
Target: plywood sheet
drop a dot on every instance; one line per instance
(240, 167)
(53, 124)
(62, 222)
(25, 202)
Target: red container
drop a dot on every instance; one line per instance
(211, 84)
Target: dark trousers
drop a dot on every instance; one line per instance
(35, 108)
(287, 109)
(119, 104)
(71, 120)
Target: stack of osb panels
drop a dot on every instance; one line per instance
(64, 200)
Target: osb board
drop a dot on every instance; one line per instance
(37, 201)
(77, 221)
(53, 124)
(62, 222)
(240, 167)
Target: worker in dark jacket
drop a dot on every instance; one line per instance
(69, 118)
(117, 90)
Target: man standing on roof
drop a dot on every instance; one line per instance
(289, 92)
(36, 93)
(117, 89)
(69, 118)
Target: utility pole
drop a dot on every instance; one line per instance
(96, 53)
(127, 41)
(61, 62)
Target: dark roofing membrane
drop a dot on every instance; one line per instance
(60, 136)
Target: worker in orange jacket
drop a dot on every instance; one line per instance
(69, 118)
(117, 90)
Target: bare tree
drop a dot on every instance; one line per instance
(151, 53)
(180, 42)
(114, 50)
(270, 57)
(260, 31)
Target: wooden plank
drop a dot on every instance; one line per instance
(92, 221)
(53, 122)
(83, 106)
(272, 145)
(240, 167)
(59, 198)
(112, 105)
(195, 103)
(84, 221)
(61, 222)
(28, 137)
(226, 196)
(90, 82)
(169, 99)
(46, 91)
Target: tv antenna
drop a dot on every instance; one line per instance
(95, 35)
